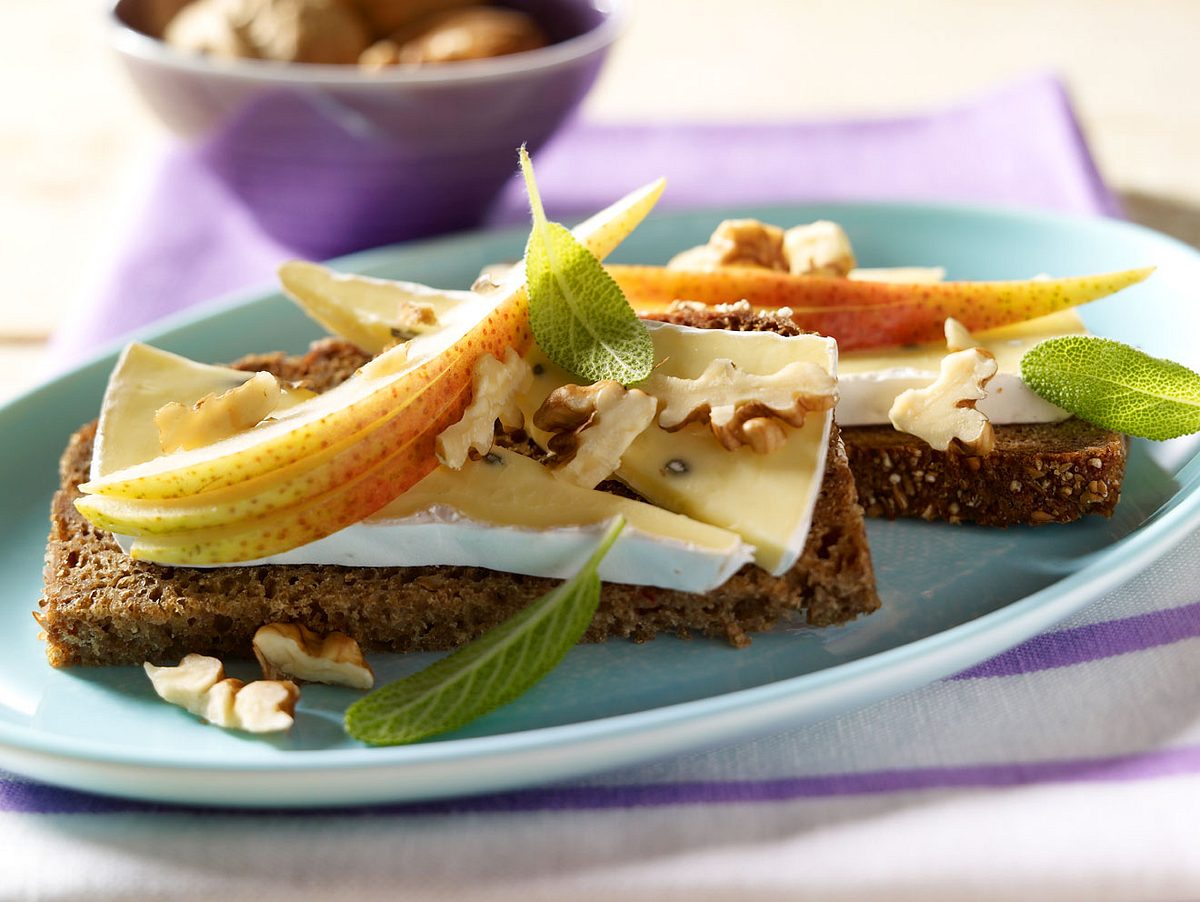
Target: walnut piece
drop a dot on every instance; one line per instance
(216, 417)
(495, 387)
(820, 248)
(958, 336)
(413, 319)
(389, 16)
(293, 650)
(817, 249)
(943, 413)
(455, 35)
(199, 685)
(736, 242)
(744, 408)
(186, 685)
(593, 426)
(297, 31)
(264, 706)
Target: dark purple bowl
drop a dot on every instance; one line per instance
(330, 159)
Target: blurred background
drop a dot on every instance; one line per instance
(78, 145)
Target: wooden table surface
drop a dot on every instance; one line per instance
(75, 143)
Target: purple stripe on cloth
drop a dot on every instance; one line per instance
(1092, 642)
(36, 798)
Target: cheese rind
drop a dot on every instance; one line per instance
(507, 512)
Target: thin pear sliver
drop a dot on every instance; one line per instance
(394, 409)
(863, 314)
(312, 518)
(300, 524)
(323, 426)
(365, 310)
(440, 400)
(250, 500)
(355, 408)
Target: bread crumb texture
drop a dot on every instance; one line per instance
(1036, 473)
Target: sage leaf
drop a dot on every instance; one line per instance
(493, 670)
(579, 315)
(1115, 386)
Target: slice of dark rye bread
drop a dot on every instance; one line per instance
(100, 607)
(1037, 473)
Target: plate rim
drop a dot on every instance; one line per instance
(935, 656)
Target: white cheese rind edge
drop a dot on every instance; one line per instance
(441, 536)
(864, 399)
(800, 537)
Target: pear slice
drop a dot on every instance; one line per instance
(381, 390)
(259, 497)
(868, 314)
(372, 313)
(371, 438)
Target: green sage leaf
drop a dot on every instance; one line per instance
(579, 315)
(489, 672)
(1115, 386)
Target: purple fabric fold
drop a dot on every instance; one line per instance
(1020, 146)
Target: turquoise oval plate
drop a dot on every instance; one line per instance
(952, 595)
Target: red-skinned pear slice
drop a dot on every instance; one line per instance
(263, 496)
(864, 314)
(372, 313)
(386, 387)
(311, 519)
(373, 435)
(387, 384)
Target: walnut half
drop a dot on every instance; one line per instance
(744, 408)
(593, 426)
(736, 242)
(816, 249)
(820, 248)
(495, 387)
(293, 650)
(943, 413)
(454, 35)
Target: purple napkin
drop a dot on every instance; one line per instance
(1020, 145)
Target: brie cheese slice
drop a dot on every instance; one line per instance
(869, 381)
(767, 499)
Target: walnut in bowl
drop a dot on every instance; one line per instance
(331, 157)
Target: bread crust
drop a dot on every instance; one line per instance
(101, 607)
(1037, 473)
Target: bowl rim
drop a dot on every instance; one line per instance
(135, 44)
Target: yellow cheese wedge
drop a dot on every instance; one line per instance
(508, 489)
(145, 379)
(767, 499)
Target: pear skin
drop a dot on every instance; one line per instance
(867, 314)
(340, 457)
